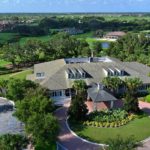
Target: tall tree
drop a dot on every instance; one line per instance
(35, 111)
(112, 83)
(13, 142)
(96, 48)
(80, 88)
(132, 85)
(78, 108)
(131, 101)
(17, 89)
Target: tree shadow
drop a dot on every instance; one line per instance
(76, 126)
(146, 110)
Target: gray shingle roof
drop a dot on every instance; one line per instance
(8, 122)
(116, 33)
(98, 95)
(55, 72)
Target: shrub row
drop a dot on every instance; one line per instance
(108, 115)
(109, 124)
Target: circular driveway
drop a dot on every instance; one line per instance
(69, 141)
(66, 139)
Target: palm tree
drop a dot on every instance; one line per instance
(80, 88)
(132, 85)
(112, 83)
(131, 102)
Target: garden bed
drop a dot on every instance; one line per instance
(109, 118)
(139, 128)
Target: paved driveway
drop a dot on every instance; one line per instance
(67, 139)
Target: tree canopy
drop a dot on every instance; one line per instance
(35, 110)
(131, 47)
(131, 103)
(13, 142)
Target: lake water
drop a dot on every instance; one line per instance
(105, 45)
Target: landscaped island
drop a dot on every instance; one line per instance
(108, 125)
(108, 118)
(138, 128)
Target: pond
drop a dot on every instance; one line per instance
(105, 45)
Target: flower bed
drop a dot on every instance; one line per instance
(108, 119)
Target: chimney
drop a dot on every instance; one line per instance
(92, 53)
(100, 86)
(90, 59)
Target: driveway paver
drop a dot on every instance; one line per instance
(71, 142)
(67, 139)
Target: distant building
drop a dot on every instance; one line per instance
(6, 24)
(114, 35)
(71, 31)
(58, 76)
(147, 35)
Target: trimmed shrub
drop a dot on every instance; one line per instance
(109, 119)
(121, 144)
(147, 98)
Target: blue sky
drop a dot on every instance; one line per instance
(74, 5)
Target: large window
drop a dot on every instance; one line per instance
(67, 92)
(57, 93)
(76, 73)
(40, 74)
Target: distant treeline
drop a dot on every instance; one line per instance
(131, 47)
(85, 23)
(95, 22)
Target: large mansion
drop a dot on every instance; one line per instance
(58, 76)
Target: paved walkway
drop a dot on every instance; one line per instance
(70, 142)
(67, 139)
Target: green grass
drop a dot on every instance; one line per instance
(18, 75)
(84, 35)
(7, 37)
(125, 18)
(88, 35)
(3, 63)
(91, 40)
(41, 38)
(139, 128)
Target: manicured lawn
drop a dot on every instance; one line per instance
(7, 37)
(139, 128)
(3, 63)
(41, 38)
(91, 40)
(125, 18)
(18, 75)
(84, 35)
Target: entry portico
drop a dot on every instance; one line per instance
(61, 96)
(97, 95)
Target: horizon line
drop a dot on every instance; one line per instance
(127, 12)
